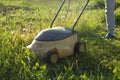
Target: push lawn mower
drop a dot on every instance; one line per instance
(58, 42)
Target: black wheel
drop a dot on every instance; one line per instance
(52, 57)
(82, 48)
(79, 47)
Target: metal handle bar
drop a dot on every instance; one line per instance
(80, 15)
(76, 19)
(57, 13)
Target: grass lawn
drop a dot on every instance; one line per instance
(21, 20)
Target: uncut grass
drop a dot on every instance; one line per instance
(18, 29)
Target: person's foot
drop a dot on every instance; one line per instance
(110, 36)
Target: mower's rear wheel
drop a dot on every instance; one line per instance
(79, 47)
(52, 57)
(82, 48)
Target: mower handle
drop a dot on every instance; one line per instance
(76, 19)
(57, 13)
(80, 15)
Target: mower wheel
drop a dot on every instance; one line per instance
(82, 48)
(79, 47)
(52, 57)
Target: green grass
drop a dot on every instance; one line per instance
(21, 20)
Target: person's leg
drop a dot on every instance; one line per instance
(110, 18)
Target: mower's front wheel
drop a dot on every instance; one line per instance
(52, 57)
(79, 47)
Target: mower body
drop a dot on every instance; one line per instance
(59, 39)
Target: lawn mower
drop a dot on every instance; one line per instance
(58, 42)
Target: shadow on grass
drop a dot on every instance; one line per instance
(6, 9)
